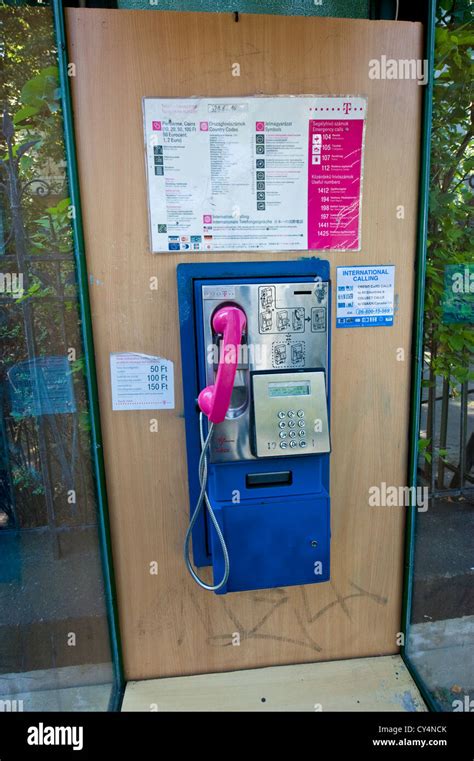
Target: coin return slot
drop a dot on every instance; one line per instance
(282, 478)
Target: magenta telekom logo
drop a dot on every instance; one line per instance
(347, 107)
(207, 219)
(156, 126)
(259, 126)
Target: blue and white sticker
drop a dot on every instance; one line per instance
(365, 296)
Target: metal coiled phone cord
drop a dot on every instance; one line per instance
(205, 443)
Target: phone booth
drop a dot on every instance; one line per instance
(250, 202)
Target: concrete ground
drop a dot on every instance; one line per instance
(444, 561)
(51, 589)
(443, 654)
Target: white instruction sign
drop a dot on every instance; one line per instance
(141, 382)
(254, 174)
(365, 296)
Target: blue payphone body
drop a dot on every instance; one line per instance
(259, 478)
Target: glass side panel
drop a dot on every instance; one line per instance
(54, 634)
(440, 642)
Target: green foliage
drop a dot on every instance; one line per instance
(450, 346)
(30, 91)
(40, 93)
(53, 228)
(423, 449)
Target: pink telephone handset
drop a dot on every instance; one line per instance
(214, 400)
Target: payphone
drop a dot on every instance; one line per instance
(255, 347)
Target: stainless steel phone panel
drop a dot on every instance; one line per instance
(290, 414)
(286, 331)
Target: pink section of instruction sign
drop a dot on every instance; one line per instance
(334, 183)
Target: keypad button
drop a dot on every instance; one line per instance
(293, 444)
(282, 424)
(282, 434)
(292, 434)
(281, 414)
(300, 413)
(302, 433)
(291, 413)
(291, 424)
(301, 423)
(303, 444)
(283, 444)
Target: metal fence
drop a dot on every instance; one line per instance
(446, 464)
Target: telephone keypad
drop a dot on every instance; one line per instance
(291, 424)
(281, 430)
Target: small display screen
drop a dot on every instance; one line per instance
(290, 388)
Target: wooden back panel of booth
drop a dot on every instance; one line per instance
(170, 626)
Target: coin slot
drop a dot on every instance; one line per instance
(281, 478)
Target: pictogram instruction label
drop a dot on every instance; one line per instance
(365, 296)
(141, 382)
(254, 174)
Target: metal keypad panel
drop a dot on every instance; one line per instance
(286, 331)
(290, 412)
